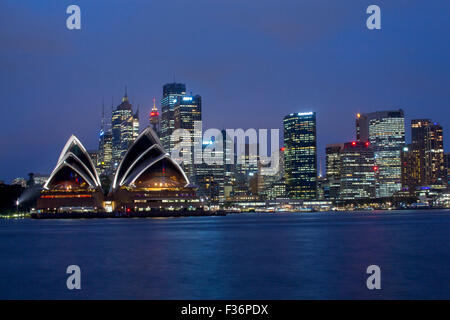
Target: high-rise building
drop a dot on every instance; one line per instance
(385, 131)
(210, 178)
(105, 153)
(357, 171)
(333, 164)
(105, 147)
(300, 155)
(94, 157)
(154, 118)
(135, 122)
(187, 112)
(171, 91)
(419, 142)
(265, 182)
(428, 150)
(125, 129)
(410, 170)
(229, 164)
(435, 155)
(447, 167)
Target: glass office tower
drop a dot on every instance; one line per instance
(385, 131)
(300, 163)
(171, 91)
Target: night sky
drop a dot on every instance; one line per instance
(252, 62)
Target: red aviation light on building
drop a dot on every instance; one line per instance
(367, 143)
(375, 168)
(154, 114)
(354, 143)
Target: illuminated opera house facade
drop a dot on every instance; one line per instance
(146, 179)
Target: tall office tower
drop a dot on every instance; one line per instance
(385, 131)
(124, 129)
(104, 159)
(333, 159)
(362, 128)
(435, 155)
(300, 163)
(135, 122)
(171, 92)
(357, 171)
(154, 118)
(428, 148)
(265, 182)
(210, 178)
(187, 111)
(410, 170)
(106, 152)
(229, 167)
(447, 167)
(419, 142)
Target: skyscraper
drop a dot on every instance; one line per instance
(357, 171)
(333, 159)
(154, 118)
(135, 122)
(125, 129)
(428, 151)
(410, 170)
(385, 131)
(300, 155)
(171, 91)
(210, 178)
(187, 111)
(104, 159)
(447, 167)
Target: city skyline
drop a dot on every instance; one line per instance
(333, 66)
(144, 122)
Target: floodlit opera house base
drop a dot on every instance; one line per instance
(147, 180)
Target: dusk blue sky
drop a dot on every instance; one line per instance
(252, 62)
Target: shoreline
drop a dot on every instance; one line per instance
(121, 215)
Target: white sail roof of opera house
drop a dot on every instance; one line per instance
(146, 157)
(74, 159)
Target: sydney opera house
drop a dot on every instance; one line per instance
(147, 179)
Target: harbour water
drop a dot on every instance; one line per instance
(245, 256)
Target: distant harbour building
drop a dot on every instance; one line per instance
(447, 166)
(357, 171)
(267, 183)
(20, 182)
(94, 156)
(40, 179)
(385, 131)
(410, 170)
(154, 118)
(135, 122)
(427, 147)
(210, 178)
(187, 112)
(323, 188)
(104, 158)
(276, 190)
(171, 92)
(300, 163)
(333, 165)
(125, 128)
